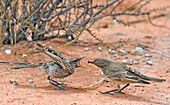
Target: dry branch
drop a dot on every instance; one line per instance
(46, 19)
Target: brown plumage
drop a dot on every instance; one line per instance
(58, 68)
(121, 73)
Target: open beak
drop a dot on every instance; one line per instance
(79, 62)
(90, 61)
(80, 65)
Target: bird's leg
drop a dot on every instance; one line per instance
(123, 88)
(51, 80)
(118, 90)
(55, 83)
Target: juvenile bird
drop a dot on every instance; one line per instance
(58, 68)
(122, 74)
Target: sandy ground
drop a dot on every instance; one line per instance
(157, 39)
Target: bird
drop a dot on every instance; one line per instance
(59, 67)
(122, 74)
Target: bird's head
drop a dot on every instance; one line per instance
(100, 62)
(75, 62)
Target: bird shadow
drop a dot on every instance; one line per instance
(53, 90)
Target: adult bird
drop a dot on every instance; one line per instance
(122, 74)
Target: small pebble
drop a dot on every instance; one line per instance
(86, 49)
(29, 38)
(114, 102)
(8, 52)
(73, 103)
(116, 55)
(13, 82)
(14, 92)
(28, 93)
(149, 62)
(33, 85)
(99, 48)
(111, 51)
(43, 91)
(116, 20)
(134, 61)
(124, 61)
(147, 55)
(147, 59)
(30, 81)
(122, 51)
(24, 55)
(138, 51)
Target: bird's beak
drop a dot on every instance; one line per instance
(90, 62)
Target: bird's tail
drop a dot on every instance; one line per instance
(21, 65)
(154, 79)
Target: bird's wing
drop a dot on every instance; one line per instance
(51, 53)
(123, 73)
(143, 77)
(57, 57)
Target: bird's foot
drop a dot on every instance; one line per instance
(61, 88)
(119, 91)
(104, 92)
(110, 92)
(62, 84)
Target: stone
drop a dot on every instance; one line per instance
(149, 62)
(24, 55)
(8, 51)
(30, 81)
(86, 49)
(99, 48)
(124, 61)
(111, 51)
(138, 51)
(114, 102)
(134, 61)
(12, 81)
(148, 55)
(122, 51)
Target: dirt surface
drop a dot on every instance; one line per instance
(157, 39)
